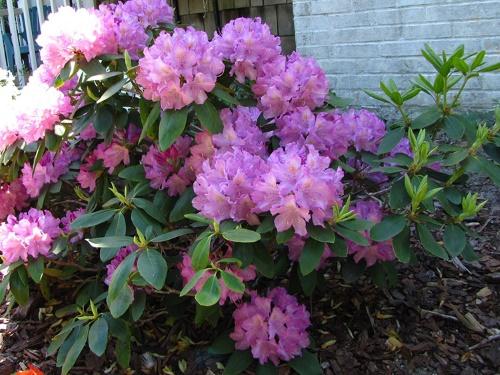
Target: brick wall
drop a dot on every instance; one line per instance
(276, 13)
(360, 42)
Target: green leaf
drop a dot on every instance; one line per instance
(133, 173)
(263, 261)
(468, 254)
(490, 68)
(351, 235)
(191, 284)
(201, 252)
(352, 271)
(387, 228)
(35, 269)
(98, 336)
(454, 126)
(241, 235)
(232, 282)
(429, 243)
(112, 90)
(172, 125)
(172, 234)
(150, 120)
(390, 140)
(59, 339)
(490, 169)
(110, 242)
(119, 304)
(153, 268)
(104, 76)
(282, 237)
(339, 248)
(3, 287)
(398, 197)
(376, 96)
(137, 308)
(223, 344)
(338, 102)
(123, 352)
(358, 224)
(121, 275)
(454, 239)
(150, 209)
(224, 96)
(326, 235)
(75, 350)
(266, 369)
(401, 245)
(92, 219)
(198, 218)
(311, 256)
(209, 293)
(209, 117)
(19, 286)
(308, 364)
(427, 118)
(183, 206)
(238, 362)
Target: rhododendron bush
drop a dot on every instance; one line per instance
(150, 165)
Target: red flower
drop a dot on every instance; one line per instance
(32, 370)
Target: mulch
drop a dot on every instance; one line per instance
(440, 319)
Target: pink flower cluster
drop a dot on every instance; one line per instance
(241, 131)
(35, 111)
(246, 274)
(286, 84)
(30, 234)
(12, 197)
(179, 69)
(375, 251)
(71, 33)
(298, 186)
(332, 133)
(161, 167)
(224, 186)
(48, 170)
(248, 44)
(130, 20)
(273, 327)
(119, 257)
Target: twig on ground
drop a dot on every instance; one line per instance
(485, 341)
(436, 313)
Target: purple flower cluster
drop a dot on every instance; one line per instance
(241, 131)
(224, 186)
(68, 219)
(298, 186)
(332, 133)
(30, 234)
(179, 69)
(273, 327)
(286, 84)
(248, 44)
(48, 170)
(375, 251)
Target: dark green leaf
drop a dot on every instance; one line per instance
(267, 369)
(263, 261)
(401, 245)
(119, 304)
(387, 228)
(308, 364)
(133, 173)
(238, 362)
(98, 336)
(492, 151)
(3, 287)
(150, 209)
(390, 140)
(121, 275)
(112, 90)
(198, 218)
(150, 120)
(92, 219)
(282, 237)
(153, 268)
(123, 352)
(241, 235)
(172, 234)
(209, 293)
(351, 235)
(455, 157)
(223, 344)
(19, 286)
(358, 224)
(352, 271)
(454, 126)
(454, 239)
(427, 118)
(339, 248)
(209, 117)
(468, 254)
(224, 96)
(172, 125)
(429, 243)
(183, 206)
(321, 234)
(490, 169)
(201, 252)
(398, 197)
(232, 282)
(310, 256)
(35, 269)
(191, 284)
(75, 350)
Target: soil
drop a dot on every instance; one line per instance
(440, 319)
